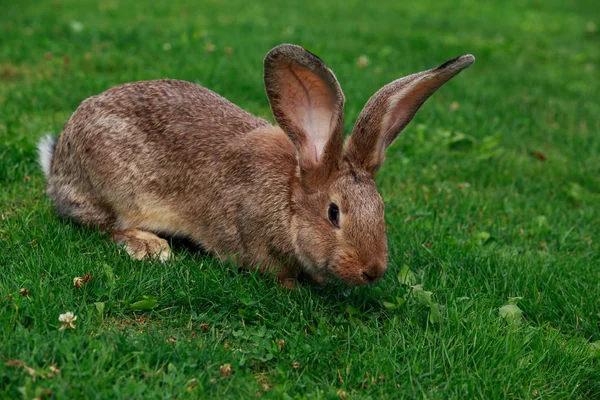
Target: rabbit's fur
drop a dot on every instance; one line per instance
(175, 158)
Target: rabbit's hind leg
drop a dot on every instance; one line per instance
(142, 244)
(79, 205)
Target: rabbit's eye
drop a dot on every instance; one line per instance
(333, 212)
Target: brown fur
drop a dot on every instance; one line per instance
(172, 157)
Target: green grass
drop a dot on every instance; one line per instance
(475, 216)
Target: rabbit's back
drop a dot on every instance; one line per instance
(135, 154)
(160, 109)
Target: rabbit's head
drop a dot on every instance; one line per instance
(338, 225)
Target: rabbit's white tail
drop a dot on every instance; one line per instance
(46, 152)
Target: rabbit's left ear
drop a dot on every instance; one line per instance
(388, 112)
(308, 104)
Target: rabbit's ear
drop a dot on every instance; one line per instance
(388, 112)
(308, 104)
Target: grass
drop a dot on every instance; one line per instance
(493, 192)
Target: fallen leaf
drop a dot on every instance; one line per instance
(148, 303)
(576, 192)
(100, 307)
(191, 385)
(204, 327)
(541, 220)
(512, 314)
(538, 154)
(76, 26)
(461, 142)
(406, 276)
(423, 296)
(109, 274)
(21, 364)
(595, 349)
(435, 313)
(388, 305)
(53, 372)
(483, 237)
(362, 61)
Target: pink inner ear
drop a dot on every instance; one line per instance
(404, 105)
(309, 103)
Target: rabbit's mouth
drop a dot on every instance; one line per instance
(352, 275)
(332, 272)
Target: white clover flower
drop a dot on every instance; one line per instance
(67, 320)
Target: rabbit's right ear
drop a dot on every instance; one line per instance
(388, 112)
(308, 104)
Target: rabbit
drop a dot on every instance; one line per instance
(292, 200)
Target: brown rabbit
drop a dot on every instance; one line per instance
(175, 158)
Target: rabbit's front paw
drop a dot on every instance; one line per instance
(142, 244)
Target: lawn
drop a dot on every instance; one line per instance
(492, 199)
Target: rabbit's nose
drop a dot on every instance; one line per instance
(373, 273)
